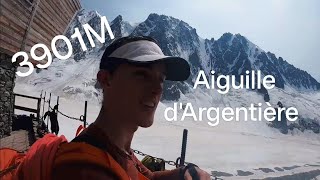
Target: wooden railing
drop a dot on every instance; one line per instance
(37, 111)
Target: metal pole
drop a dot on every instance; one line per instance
(85, 114)
(14, 102)
(48, 110)
(49, 102)
(44, 103)
(57, 104)
(38, 109)
(184, 147)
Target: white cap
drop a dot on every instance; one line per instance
(146, 51)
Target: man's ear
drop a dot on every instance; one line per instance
(104, 78)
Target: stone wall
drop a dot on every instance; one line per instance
(7, 78)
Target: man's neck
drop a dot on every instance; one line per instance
(120, 134)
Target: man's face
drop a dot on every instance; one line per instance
(134, 92)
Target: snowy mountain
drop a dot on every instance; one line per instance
(229, 55)
(119, 28)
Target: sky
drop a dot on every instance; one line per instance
(287, 28)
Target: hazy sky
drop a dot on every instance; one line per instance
(288, 28)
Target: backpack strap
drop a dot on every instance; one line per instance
(87, 138)
(77, 153)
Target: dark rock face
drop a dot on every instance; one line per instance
(7, 78)
(306, 124)
(234, 54)
(244, 173)
(229, 55)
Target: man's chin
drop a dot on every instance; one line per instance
(146, 123)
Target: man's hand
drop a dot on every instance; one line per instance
(202, 175)
(189, 172)
(195, 173)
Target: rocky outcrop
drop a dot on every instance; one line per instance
(7, 77)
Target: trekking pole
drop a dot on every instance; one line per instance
(85, 115)
(184, 147)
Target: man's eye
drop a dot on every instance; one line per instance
(140, 74)
(162, 79)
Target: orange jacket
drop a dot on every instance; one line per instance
(51, 157)
(73, 155)
(98, 158)
(36, 164)
(39, 159)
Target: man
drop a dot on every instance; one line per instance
(132, 72)
(53, 116)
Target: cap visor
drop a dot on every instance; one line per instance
(177, 69)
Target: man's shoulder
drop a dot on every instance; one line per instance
(82, 171)
(77, 152)
(80, 155)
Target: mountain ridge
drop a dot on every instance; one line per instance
(231, 54)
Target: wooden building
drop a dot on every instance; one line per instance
(24, 23)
